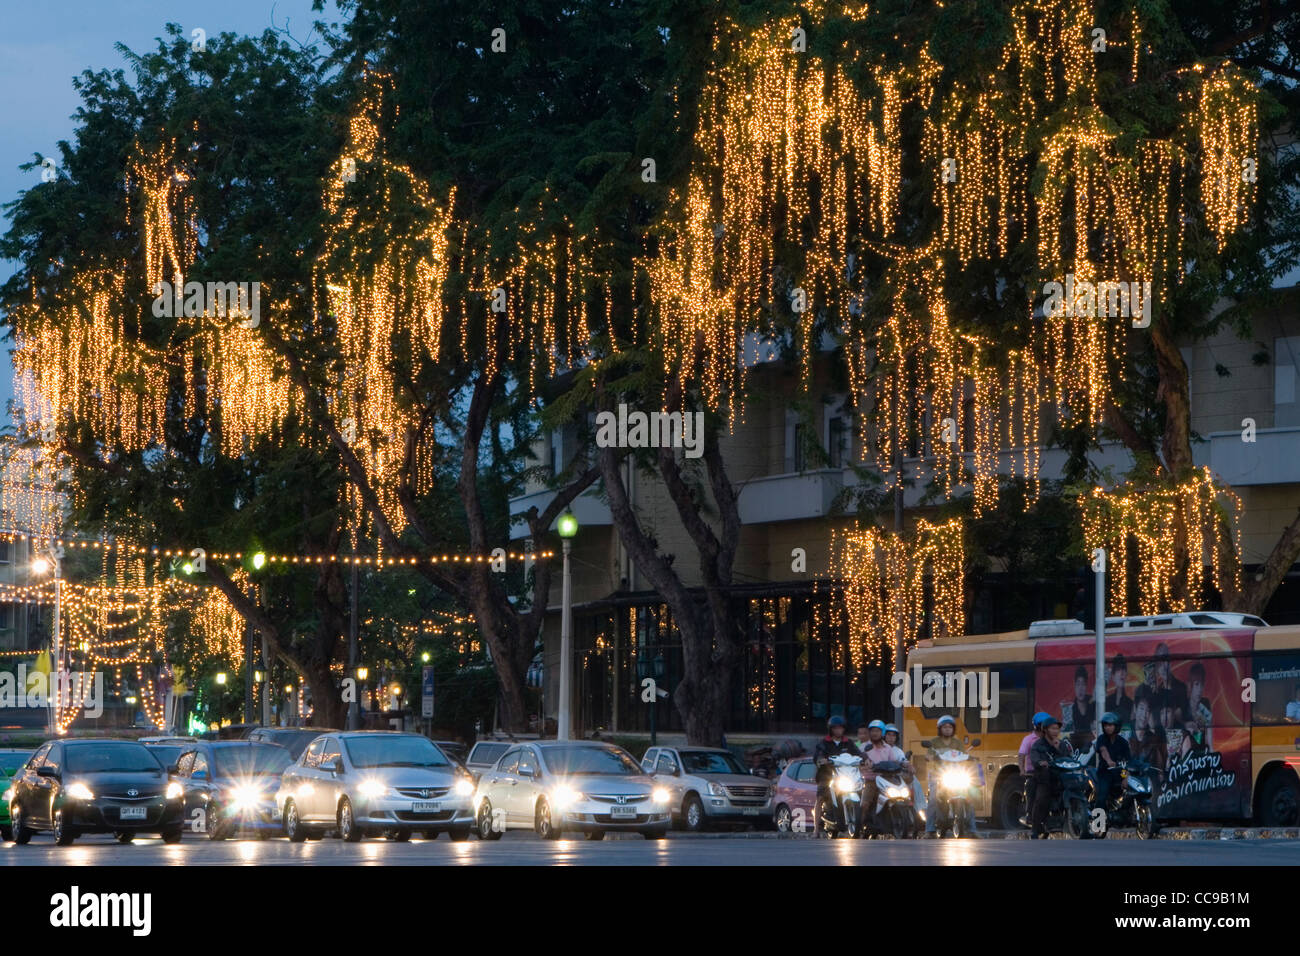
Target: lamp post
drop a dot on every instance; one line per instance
(567, 527)
(647, 668)
(1099, 611)
(258, 562)
(354, 706)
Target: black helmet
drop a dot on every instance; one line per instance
(836, 721)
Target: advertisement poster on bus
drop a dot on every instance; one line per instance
(1179, 701)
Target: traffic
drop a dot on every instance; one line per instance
(354, 785)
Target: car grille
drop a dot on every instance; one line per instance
(427, 793)
(136, 799)
(607, 818)
(616, 797)
(748, 793)
(407, 817)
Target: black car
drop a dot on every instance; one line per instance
(71, 787)
(292, 739)
(230, 786)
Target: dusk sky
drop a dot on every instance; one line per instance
(44, 45)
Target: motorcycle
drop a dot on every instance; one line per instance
(841, 812)
(895, 810)
(1129, 803)
(1073, 793)
(956, 792)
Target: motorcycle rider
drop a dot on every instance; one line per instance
(947, 740)
(1049, 747)
(1111, 750)
(878, 752)
(835, 742)
(891, 735)
(1027, 767)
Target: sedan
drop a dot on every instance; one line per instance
(709, 786)
(71, 787)
(554, 786)
(795, 800)
(230, 786)
(373, 781)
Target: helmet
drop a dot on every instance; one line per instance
(877, 725)
(835, 721)
(1110, 717)
(1039, 717)
(1049, 721)
(890, 728)
(947, 719)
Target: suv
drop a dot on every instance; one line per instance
(709, 786)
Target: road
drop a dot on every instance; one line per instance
(524, 849)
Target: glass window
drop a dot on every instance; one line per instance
(185, 764)
(1013, 699)
(109, 758)
(311, 756)
(38, 758)
(329, 752)
(666, 763)
(510, 762)
(54, 758)
(953, 688)
(258, 760)
(709, 761)
(573, 759)
(649, 761)
(200, 765)
(487, 753)
(407, 750)
(806, 771)
(1277, 688)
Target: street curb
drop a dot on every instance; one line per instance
(1166, 833)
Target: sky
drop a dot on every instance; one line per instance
(44, 44)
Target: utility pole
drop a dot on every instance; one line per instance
(1099, 611)
(900, 661)
(354, 708)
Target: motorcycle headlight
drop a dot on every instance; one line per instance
(896, 791)
(565, 797)
(464, 787)
(79, 791)
(955, 779)
(371, 789)
(661, 795)
(1138, 784)
(845, 784)
(174, 791)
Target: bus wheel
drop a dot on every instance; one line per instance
(1279, 804)
(1009, 804)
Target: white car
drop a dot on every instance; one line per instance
(558, 786)
(373, 781)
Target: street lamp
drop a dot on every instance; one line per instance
(567, 527)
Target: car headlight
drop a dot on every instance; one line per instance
(174, 791)
(79, 791)
(661, 795)
(371, 789)
(955, 779)
(245, 797)
(565, 797)
(464, 788)
(717, 789)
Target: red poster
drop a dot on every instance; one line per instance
(1178, 697)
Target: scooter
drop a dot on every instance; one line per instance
(956, 792)
(895, 810)
(841, 812)
(1129, 804)
(1073, 793)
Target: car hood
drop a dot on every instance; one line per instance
(732, 779)
(117, 784)
(408, 777)
(612, 784)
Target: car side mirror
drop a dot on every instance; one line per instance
(46, 772)
(335, 765)
(527, 772)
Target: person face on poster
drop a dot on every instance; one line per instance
(1141, 717)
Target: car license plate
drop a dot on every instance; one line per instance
(750, 811)
(133, 813)
(427, 806)
(624, 811)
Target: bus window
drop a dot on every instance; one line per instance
(1277, 688)
(1013, 699)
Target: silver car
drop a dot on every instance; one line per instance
(709, 786)
(374, 781)
(558, 786)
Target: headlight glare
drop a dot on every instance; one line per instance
(371, 789)
(564, 796)
(79, 791)
(661, 795)
(464, 787)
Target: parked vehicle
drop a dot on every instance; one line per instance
(709, 786)
(794, 802)
(453, 749)
(375, 781)
(71, 787)
(1130, 803)
(956, 791)
(167, 754)
(558, 786)
(840, 811)
(292, 739)
(484, 756)
(230, 786)
(11, 762)
(895, 809)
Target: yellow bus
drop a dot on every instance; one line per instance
(1210, 698)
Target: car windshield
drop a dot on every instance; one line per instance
(110, 758)
(394, 752)
(167, 754)
(251, 761)
(574, 760)
(708, 761)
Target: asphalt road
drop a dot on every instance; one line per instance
(517, 849)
